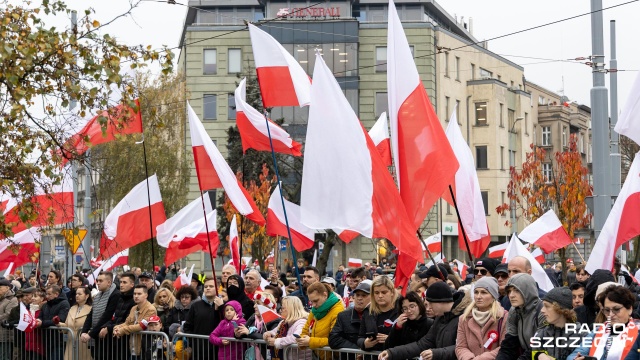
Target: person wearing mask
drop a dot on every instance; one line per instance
(524, 319)
(325, 307)
(587, 312)
(501, 274)
(376, 323)
(412, 323)
(203, 318)
(558, 312)
(104, 305)
(293, 319)
(76, 319)
(137, 321)
(146, 279)
(227, 271)
(482, 326)
(344, 334)
(619, 340)
(440, 341)
(236, 292)
(185, 296)
(577, 294)
(120, 314)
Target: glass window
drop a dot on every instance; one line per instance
(546, 136)
(581, 142)
(541, 100)
(457, 69)
(526, 123)
(502, 201)
(481, 113)
(564, 136)
(232, 107)
(209, 103)
(501, 157)
(484, 73)
(381, 59)
(446, 64)
(447, 114)
(210, 65)
(501, 115)
(235, 61)
(481, 157)
(485, 201)
(546, 172)
(458, 112)
(512, 120)
(381, 103)
(473, 71)
(512, 158)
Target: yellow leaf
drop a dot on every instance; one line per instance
(96, 23)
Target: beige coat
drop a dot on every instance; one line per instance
(75, 321)
(7, 303)
(132, 324)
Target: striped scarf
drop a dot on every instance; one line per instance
(100, 304)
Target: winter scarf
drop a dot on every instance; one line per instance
(481, 317)
(322, 310)
(100, 305)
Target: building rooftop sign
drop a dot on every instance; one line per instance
(302, 11)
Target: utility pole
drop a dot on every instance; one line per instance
(74, 169)
(615, 156)
(600, 123)
(86, 242)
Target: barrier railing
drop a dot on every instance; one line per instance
(292, 352)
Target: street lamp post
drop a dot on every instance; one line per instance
(512, 163)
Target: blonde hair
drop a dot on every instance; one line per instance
(295, 310)
(172, 298)
(378, 282)
(493, 312)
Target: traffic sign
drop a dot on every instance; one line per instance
(74, 238)
(283, 245)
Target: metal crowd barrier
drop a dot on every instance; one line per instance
(53, 343)
(292, 352)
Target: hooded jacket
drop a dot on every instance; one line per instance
(587, 312)
(523, 321)
(225, 328)
(441, 337)
(238, 294)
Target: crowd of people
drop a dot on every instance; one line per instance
(497, 312)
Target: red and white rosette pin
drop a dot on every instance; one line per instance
(492, 337)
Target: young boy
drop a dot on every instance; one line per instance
(154, 346)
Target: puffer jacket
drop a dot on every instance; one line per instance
(8, 303)
(318, 330)
(441, 338)
(122, 310)
(57, 307)
(472, 337)
(552, 332)
(174, 319)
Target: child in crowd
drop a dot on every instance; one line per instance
(33, 339)
(154, 347)
(232, 319)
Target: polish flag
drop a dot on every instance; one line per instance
(7, 202)
(183, 279)
(425, 163)
(51, 207)
(22, 248)
(379, 134)
(253, 128)
(434, 243)
(270, 258)
(467, 192)
(439, 258)
(363, 197)
(130, 222)
(546, 232)
(463, 269)
(629, 121)
(516, 248)
(213, 171)
(119, 259)
(185, 232)
(267, 314)
(538, 255)
(497, 252)
(27, 321)
(282, 80)
(354, 263)
(622, 223)
(121, 120)
(234, 246)
(302, 237)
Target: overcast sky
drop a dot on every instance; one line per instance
(158, 23)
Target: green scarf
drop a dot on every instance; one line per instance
(319, 313)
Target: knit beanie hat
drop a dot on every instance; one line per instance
(487, 263)
(490, 284)
(561, 295)
(439, 292)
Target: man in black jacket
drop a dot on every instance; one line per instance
(54, 311)
(104, 305)
(587, 312)
(440, 341)
(120, 347)
(202, 319)
(344, 334)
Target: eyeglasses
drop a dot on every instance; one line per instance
(480, 271)
(501, 276)
(410, 307)
(615, 310)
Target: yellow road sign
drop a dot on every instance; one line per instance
(74, 239)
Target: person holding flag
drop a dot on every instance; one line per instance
(294, 317)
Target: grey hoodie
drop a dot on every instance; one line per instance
(525, 320)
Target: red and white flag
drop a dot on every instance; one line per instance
(185, 232)
(132, 220)
(183, 279)
(516, 248)
(7, 202)
(213, 171)
(345, 185)
(434, 243)
(121, 120)
(497, 252)
(439, 258)
(538, 255)
(546, 232)
(302, 237)
(379, 134)
(27, 321)
(119, 259)
(621, 225)
(253, 128)
(463, 269)
(354, 263)
(282, 80)
(267, 314)
(629, 121)
(425, 163)
(467, 192)
(22, 248)
(234, 245)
